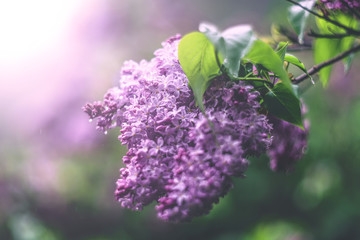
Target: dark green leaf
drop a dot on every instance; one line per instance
(198, 61)
(246, 69)
(262, 53)
(232, 44)
(297, 17)
(282, 103)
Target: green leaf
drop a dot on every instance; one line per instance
(238, 41)
(297, 17)
(324, 48)
(281, 102)
(214, 35)
(348, 62)
(262, 53)
(296, 90)
(281, 50)
(246, 69)
(295, 61)
(347, 42)
(198, 61)
(232, 44)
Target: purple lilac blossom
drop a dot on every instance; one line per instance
(176, 156)
(342, 5)
(289, 143)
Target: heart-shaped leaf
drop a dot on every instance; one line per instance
(198, 61)
(232, 44)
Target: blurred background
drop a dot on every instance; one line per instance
(57, 173)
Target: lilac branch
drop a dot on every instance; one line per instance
(294, 38)
(320, 66)
(329, 36)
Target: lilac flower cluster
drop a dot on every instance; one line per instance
(289, 143)
(217, 150)
(177, 156)
(342, 5)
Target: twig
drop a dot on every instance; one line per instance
(348, 30)
(318, 67)
(305, 8)
(293, 37)
(330, 36)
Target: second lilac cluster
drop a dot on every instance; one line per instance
(342, 5)
(289, 143)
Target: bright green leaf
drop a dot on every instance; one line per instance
(324, 49)
(262, 53)
(281, 102)
(232, 44)
(281, 50)
(297, 17)
(295, 61)
(198, 61)
(347, 42)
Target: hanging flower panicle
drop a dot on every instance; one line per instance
(176, 155)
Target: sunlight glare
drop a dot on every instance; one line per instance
(32, 27)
